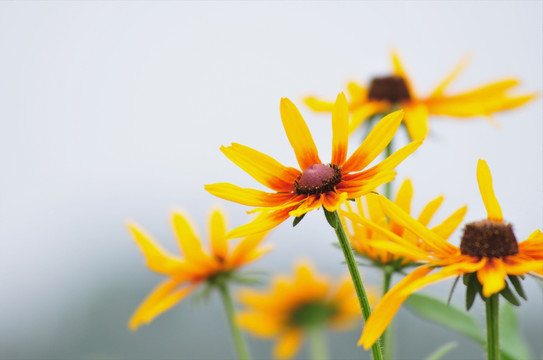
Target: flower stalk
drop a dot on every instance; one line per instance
(239, 342)
(492, 327)
(335, 222)
(386, 338)
(317, 343)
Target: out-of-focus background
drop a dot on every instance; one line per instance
(112, 111)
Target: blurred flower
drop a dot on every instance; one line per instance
(329, 185)
(295, 306)
(186, 273)
(385, 93)
(489, 252)
(363, 238)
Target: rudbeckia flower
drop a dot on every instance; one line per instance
(386, 93)
(366, 240)
(488, 252)
(300, 191)
(295, 306)
(197, 266)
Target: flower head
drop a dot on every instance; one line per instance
(297, 192)
(385, 93)
(185, 274)
(295, 305)
(488, 254)
(367, 241)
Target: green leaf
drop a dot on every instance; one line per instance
(446, 315)
(473, 287)
(297, 220)
(509, 296)
(439, 353)
(511, 340)
(330, 217)
(518, 286)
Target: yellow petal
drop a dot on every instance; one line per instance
(245, 247)
(377, 140)
(399, 70)
(288, 344)
(492, 276)
(514, 265)
(332, 201)
(404, 196)
(356, 92)
(259, 324)
(484, 179)
(358, 188)
(217, 234)
(363, 111)
(298, 135)
(187, 239)
(440, 89)
(340, 131)
(246, 196)
(429, 210)
(156, 257)
(449, 225)
(318, 105)
(262, 167)
(260, 224)
(311, 203)
(162, 298)
(416, 120)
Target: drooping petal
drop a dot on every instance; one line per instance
(262, 223)
(449, 225)
(429, 210)
(261, 167)
(157, 259)
(440, 89)
(340, 130)
(515, 265)
(246, 196)
(298, 135)
(484, 179)
(217, 234)
(311, 203)
(162, 298)
(288, 344)
(377, 140)
(332, 201)
(492, 276)
(387, 308)
(318, 105)
(416, 120)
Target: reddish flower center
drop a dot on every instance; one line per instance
(317, 179)
(489, 239)
(389, 88)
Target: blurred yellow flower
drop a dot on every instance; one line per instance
(385, 93)
(298, 192)
(366, 240)
(186, 273)
(488, 249)
(295, 306)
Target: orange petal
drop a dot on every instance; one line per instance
(261, 167)
(332, 201)
(515, 265)
(288, 344)
(298, 135)
(246, 196)
(492, 276)
(484, 179)
(312, 202)
(340, 132)
(217, 234)
(376, 141)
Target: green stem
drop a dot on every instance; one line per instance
(317, 343)
(335, 222)
(388, 186)
(386, 338)
(239, 342)
(492, 328)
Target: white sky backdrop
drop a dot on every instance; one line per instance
(117, 110)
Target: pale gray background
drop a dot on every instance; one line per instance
(116, 110)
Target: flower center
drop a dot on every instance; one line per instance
(317, 179)
(389, 88)
(489, 239)
(312, 314)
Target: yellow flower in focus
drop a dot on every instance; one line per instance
(488, 252)
(300, 191)
(295, 306)
(385, 93)
(185, 274)
(366, 240)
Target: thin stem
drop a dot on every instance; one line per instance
(388, 186)
(239, 342)
(335, 222)
(386, 338)
(317, 343)
(492, 328)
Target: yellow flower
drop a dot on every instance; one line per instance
(385, 93)
(329, 185)
(294, 306)
(186, 273)
(488, 249)
(366, 241)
